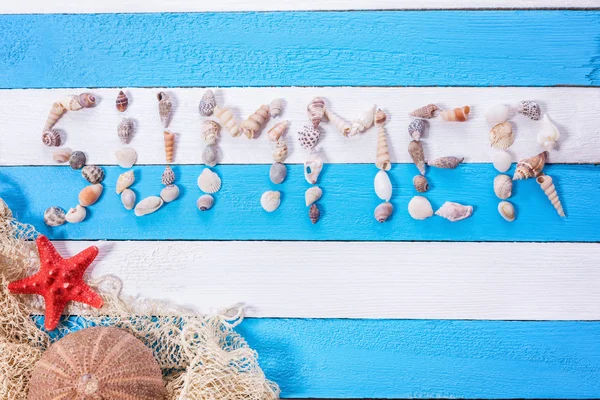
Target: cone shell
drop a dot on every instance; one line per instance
(507, 211)
(454, 211)
(227, 120)
(56, 112)
(122, 102)
(270, 200)
(125, 130)
(383, 186)
(420, 183)
(363, 121)
(169, 146)
(383, 211)
(205, 202)
(502, 136)
(207, 103)
(420, 208)
(497, 114)
(316, 111)
(277, 173)
(87, 100)
(426, 112)
(460, 114)
(502, 160)
(90, 194)
(530, 167)
(210, 131)
(545, 182)
(209, 182)
(77, 160)
(75, 215)
(278, 130)
(164, 108)
(314, 213)
(148, 206)
(128, 199)
(530, 109)
(312, 169)
(309, 137)
(54, 216)
(417, 127)
(168, 176)
(126, 157)
(51, 138)
(252, 125)
(312, 195)
(341, 125)
(169, 193)
(503, 186)
(125, 180)
(210, 155)
(275, 107)
(62, 155)
(548, 134)
(445, 162)
(382, 160)
(415, 150)
(280, 152)
(93, 174)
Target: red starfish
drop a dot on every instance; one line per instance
(59, 281)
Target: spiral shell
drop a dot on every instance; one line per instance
(420, 183)
(280, 151)
(205, 202)
(382, 160)
(275, 107)
(312, 169)
(503, 186)
(128, 199)
(548, 134)
(314, 213)
(316, 111)
(460, 114)
(383, 211)
(497, 114)
(531, 167)
(71, 103)
(56, 112)
(169, 193)
(54, 216)
(62, 155)
(169, 146)
(168, 176)
(454, 211)
(420, 208)
(207, 103)
(122, 102)
(278, 130)
(270, 200)
(546, 184)
(417, 127)
(76, 215)
(277, 173)
(530, 109)
(51, 138)
(210, 155)
(126, 157)
(148, 205)
(312, 195)
(125, 130)
(252, 125)
(445, 162)
(502, 160)
(227, 120)
(341, 125)
(309, 137)
(125, 180)
(87, 100)
(363, 121)
(93, 174)
(209, 182)
(415, 150)
(90, 194)
(164, 108)
(210, 131)
(77, 160)
(502, 136)
(383, 186)
(426, 112)
(507, 211)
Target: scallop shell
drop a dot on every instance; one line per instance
(460, 114)
(148, 206)
(278, 130)
(207, 103)
(122, 101)
(270, 200)
(383, 186)
(87, 100)
(383, 211)
(169, 146)
(169, 193)
(420, 208)
(125, 130)
(210, 131)
(427, 111)
(312, 169)
(454, 211)
(125, 180)
(62, 155)
(280, 152)
(341, 125)
(309, 137)
(497, 114)
(314, 213)
(415, 149)
(209, 182)
(277, 173)
(71, 103)
(363, 121)
(503, 186)
(507, 211)
(275, 107)
(502, 136)
(420, 183)
(548, 135)
(205, 202)
(210, 155)
(128, 199)
(77, 160)
(545, 182)
(164, 108)
(92, 174)
(530, 167)
(54, 115)
(168, 176)
(417, 128)
(502, 160)
(75, 215)
(90, 194)
(316, 111)
(126, 157)
(252, 125)
(382, 160)
(312, 194)
(54, 216)
(530, 109)
(227, 120)
(445, 162)
(51, 138)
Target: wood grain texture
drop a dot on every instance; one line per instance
(94, 130)
(346, 206)
(362, 48)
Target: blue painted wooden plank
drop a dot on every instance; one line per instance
(373, 48)
(347, 205)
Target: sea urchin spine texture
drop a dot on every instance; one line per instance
(316, 111)
(363, 121)
(502, 136)
(168, 176)
(460, 114)
(454, 211)
(420, 183)
(445, 162)
(90, 194)
(309, 137)
(51, 138)
(382, 160)
(341, 125)
(207, 103)
(383, 211)
(56, 112)
(531, 167)
(546, 184)
(253, 124)
(54, 216)
(169, 146)
(426, 112)
(164, 108)
(314, 213)
(415, 150)
(278, 130)
(227, 120)
(530, 109)
(416, 128)
(124, 130)
(122, 102)
(275, 107)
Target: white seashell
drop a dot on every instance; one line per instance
(148, 205)
(270, 200)
(454, 211)
(507, 211)
(75, 215)
(548, 135)
(312, 194)
(363, 121)
(126, 157)
(502, 160)
(128, 199)
(420, 208)
(503, 186)
(312, 169)
(169, 193)
(125, 180)
(205, 202)
(209, 182)
(275, 107)
(497, 114)
(383, 186)
(62, 155)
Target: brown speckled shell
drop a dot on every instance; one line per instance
(309, 137)
(530, 109)
(122, 101)
(445, 162)
(427, 111)
(51, 138)
(314, 213)
(168, 176)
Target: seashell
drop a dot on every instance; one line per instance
(383, 211)
(314, 213)
(427, 111)
(210, 155)
(169, 146)
(54, 216)
(420, 208)
(125, 130)
(445, 162)
(209, 182)
(548, 135)
(502, 160)
(312, 194)
(71, 103)
(454, 211)
(280, 152)
(340, 124)
(316, 111)
(126, 157)
(93, 174)
(125, 180)
(205, 202)
(497, 114)
(62, 155)
(415, 149)
(530, 167)
(277, 173)
(503, 186)
(255, 121)
(270, 200)
(383, 186)
(420, 183)
(87, 100)
(128, 199)
(90, 194)
(312, 169)
(530, 109)
(545, 182)
(379, 118)
(382, 159)
(502, 136)
(168, 176)
(148, 206)
(417, 127)
(169, 193)
(460, 114)
(164, 108)
(75, 215)
(56, 112)
(227, 120)
(51, 137)
(210, 131)
(309, 137)
(77, 160)
(207, 103)
(5, 211)
(363, 121)
(278, 130)
(122, 102)
(275, 107)
(507, 211)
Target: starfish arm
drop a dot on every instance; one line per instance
(54, 308)
(81, 261)
(29, 285)
(84, 294)
(46, 250)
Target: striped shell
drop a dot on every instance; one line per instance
(427, 111)
(415, 150)
(460, 114)
(62, 155)
(309, 137)
(531, 167)
(207, 103)
(270, 200)
(545, 182)
(383, 211)
(502, 136)
(92, 174)
(90, 194)
(503, 186)
(54, 216)
(51, 138)
(77, 160)
(341, 125)
(420, 183)
(275, 107)
(205, 202)
(314, 213)
(86, 100)
(122, 102)
(417, 127)
(226, 118)
(148, 206)
(382, 158)
(252, 125)
(278, 130)
(168, 176)
(54, 115)
(316, 111)
(125, 130)
(530, 109)
(445, 162)
(209, 182)
(507, 211)
(169, 146)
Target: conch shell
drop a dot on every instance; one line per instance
(164, 108)
(545, 182)
(340, 124)
(56, 112)
(531, 167)
(445, 162)
(454, 211)
(427, 111)
(278, 130)
(415, 149)
(312, 169)
(275, 107)
(210, 131)
(382, 160)
(383, 211)
(169, 146)
(460, 114)
(502, 136)
(548, 135)
(316, 110)
(363, 121)
(227, 120)
(254, 122)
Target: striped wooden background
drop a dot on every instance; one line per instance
(347, 308)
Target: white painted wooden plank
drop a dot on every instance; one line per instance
(23, 113)
(504, 281)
